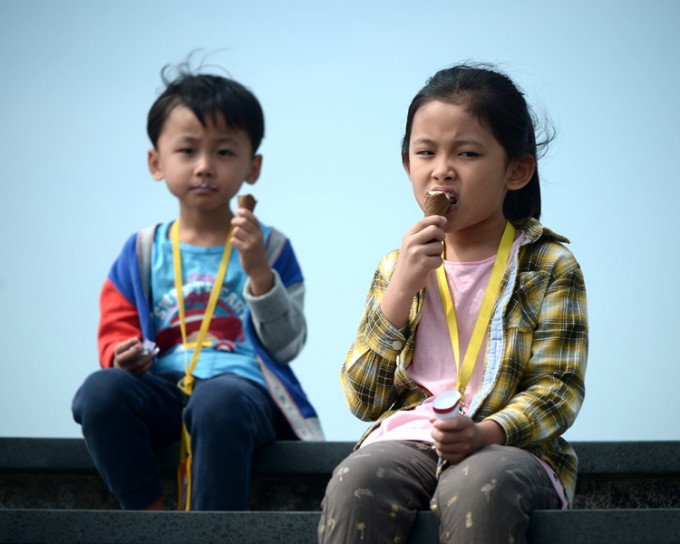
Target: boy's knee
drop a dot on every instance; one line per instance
(223, 403)
(100, 391)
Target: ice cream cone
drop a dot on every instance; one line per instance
(246, 201)
(436, 203)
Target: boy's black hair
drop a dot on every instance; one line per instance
(208, 96)
(500, 106)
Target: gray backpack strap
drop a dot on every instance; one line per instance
(144, 249)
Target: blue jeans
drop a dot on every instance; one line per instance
(126, 418)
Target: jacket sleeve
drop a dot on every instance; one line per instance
(278, 319)
(119, 312)
(278, 316)
(369, 372)
(118, 321)
(551, 389)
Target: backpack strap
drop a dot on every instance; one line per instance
(144, 249)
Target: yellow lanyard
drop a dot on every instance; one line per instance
(465, 369)
(187, 383)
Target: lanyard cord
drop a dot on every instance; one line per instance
(465, 369)
(186, 384)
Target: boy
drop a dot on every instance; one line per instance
(240, 393)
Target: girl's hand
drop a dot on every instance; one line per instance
(459, 437)
(420, 253)
(249, 240)
(128, 356)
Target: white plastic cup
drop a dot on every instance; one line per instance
(447, 405)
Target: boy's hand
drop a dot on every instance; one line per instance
(420, 253)
(458, 437)
(128, 356)
(249, 240)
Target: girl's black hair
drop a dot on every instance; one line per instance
(208, 96)
(499, 105)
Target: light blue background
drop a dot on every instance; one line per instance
(335, 80)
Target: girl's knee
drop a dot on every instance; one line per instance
(354, 479)
(495, 478)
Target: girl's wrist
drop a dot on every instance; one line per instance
(491, 433)
(396, 306)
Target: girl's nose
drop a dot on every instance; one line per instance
(443, 169)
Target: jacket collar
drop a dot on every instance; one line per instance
(534, 231)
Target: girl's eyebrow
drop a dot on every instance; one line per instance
(427, 141)
(457, 143)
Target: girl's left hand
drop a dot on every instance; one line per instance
(459, 437)
(247, 237)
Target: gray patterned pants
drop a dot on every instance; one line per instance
(375, 493)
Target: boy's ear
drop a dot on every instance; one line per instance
(255, 169)
(154, 165)
(520, 171)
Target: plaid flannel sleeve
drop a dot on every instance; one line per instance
(542, 385)
(368, 374)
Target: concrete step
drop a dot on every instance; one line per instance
(642, 526)
(45, 473)
(50, 492)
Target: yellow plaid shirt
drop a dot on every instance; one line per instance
(535, 362)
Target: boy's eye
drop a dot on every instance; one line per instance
(185, 150)
(225, 152)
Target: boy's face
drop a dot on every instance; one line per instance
(203, 166)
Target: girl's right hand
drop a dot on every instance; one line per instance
(420, 253)
(128, 356)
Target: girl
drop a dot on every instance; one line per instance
(482, 300)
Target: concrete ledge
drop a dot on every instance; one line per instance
(655, 458)
(549, 527)
(45, 473)
(70, 455)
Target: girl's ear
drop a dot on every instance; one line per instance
(254, 170)
(520, 171)
(407, 165)
(154, 165)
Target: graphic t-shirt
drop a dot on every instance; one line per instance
(229, 348)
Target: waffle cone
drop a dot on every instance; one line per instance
(436, 203)
(247, 201)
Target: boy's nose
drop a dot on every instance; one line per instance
(204, 165)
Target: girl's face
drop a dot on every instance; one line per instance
(449, 150)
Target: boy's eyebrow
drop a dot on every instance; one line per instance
(221, 139)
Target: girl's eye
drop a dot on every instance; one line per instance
(425, 153)
(469, 154)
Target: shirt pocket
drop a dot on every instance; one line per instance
(524, 307)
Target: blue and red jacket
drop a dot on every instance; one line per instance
(126, 312)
